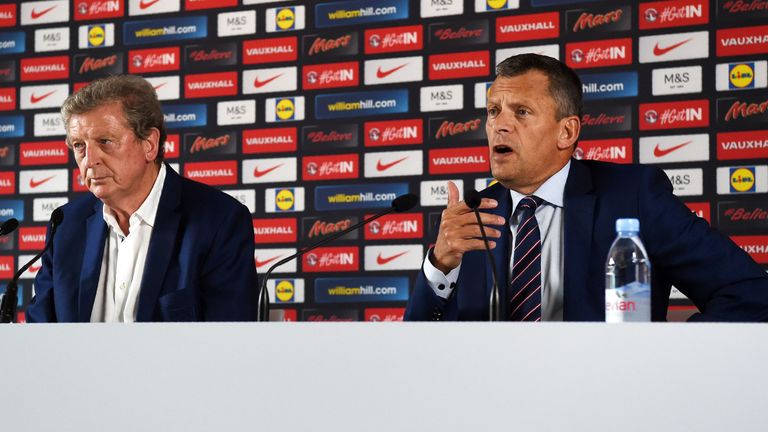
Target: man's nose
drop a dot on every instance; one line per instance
(92, 155)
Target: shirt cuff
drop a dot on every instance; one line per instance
(442, 284)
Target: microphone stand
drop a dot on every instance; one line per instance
(399, 204)
(472, 199)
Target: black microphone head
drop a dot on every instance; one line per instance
(404, 202)
(56, 217)
(8, 226)
(472, 198)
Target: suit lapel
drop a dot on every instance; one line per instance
(96, 235)
(501, 251)
(579, 212)
(161, 245)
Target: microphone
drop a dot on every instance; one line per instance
(400, 204)
(8, 226)
(472, 200)
(10, 299)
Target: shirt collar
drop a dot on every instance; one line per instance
(147, 210)
(551, 191)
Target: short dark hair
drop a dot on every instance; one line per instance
(564, 84)
(135, 95)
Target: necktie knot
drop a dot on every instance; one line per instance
(528, 205)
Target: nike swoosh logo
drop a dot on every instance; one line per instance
(383, 167)
(385, 73)
(145, 4)
(35, 183)
(261, 173)
(659, 51)
(33, 269)
(159, 85)
(258, 83)
(35, 14)
(266, 261)
(380, 260)
(659, 152)
(35, 99)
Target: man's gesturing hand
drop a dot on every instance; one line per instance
(459, 231)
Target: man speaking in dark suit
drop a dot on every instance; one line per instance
(562, 213)
(145, 244)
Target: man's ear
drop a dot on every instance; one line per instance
(151, 144)
(570, 127)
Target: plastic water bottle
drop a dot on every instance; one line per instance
(627, 276)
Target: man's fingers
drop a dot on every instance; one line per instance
(453, 193)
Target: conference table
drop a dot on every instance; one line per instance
(384, 377)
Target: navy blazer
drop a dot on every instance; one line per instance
(718, 276)
(199, 265)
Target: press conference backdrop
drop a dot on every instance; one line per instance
(316, 114)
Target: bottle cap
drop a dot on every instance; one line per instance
(627, 225)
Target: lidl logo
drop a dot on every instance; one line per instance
(741, 75)
(286, 18)
(96, 35)
(285, 109)
(285, 291)
(743, 179)
(496, 4)
(285, 199)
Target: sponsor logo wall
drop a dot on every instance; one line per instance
(316, 115)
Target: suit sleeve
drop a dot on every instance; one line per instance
(229, 276)
(41, 307)
(718, 276)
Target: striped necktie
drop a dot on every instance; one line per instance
(525, 289)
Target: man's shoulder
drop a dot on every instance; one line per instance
(203, 197)
(81, 207)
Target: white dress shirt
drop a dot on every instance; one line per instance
(122, 266)
(549, 216)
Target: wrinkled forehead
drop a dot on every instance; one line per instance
(529, 88)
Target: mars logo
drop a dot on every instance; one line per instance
(154, 60)
(603, 21)
(332, 259)
(394, 39)
(673, 14)
(393, 132)
(330, 167)
(331, 45)
(750, 111)
(315, 228)
(610, 52)
(396, 226)
(674, 115)
(330, 75)
(90, 67)
(202, 144)
(742, 179)
(464, 130)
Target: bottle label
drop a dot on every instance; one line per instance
(628, 303)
